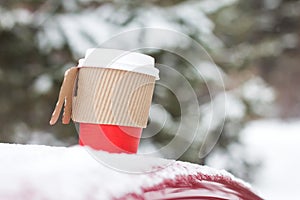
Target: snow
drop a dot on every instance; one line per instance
(44, 172)
(18, 16)
(37, 137)
(42, 84)
(290, 40)
(93, 26)
(259, 96)
(74, 34)
(209, 6)
(159, 119)
(255, 86)
(277, 144)
(50, 34)
(208, 71)
(223, 106)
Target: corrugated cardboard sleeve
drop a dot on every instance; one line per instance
(111, 96)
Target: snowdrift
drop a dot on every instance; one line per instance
(30, 172)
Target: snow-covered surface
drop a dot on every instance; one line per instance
(277, 144)
(44, 172)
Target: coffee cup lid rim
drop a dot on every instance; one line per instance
(119, 59)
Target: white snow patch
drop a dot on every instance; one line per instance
(209, 6)
(259, 96)
(223, 106)
(256, 90)
(211, 72)
(43, 84)
(44, 172)
(290, 40)
(277, 144)
(16, 16)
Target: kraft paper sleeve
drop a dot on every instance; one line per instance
(112, 96)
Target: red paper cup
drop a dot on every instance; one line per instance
(113, 87)
(110, 138)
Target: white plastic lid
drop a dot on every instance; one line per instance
(119, 59)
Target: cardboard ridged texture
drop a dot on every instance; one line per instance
(112, 96)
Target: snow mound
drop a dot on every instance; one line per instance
(44, 172)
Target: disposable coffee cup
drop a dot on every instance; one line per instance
(112, 98)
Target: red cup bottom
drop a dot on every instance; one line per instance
(110, 138)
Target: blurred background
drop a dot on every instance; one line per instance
(255, 45)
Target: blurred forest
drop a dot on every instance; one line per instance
(255, 45)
